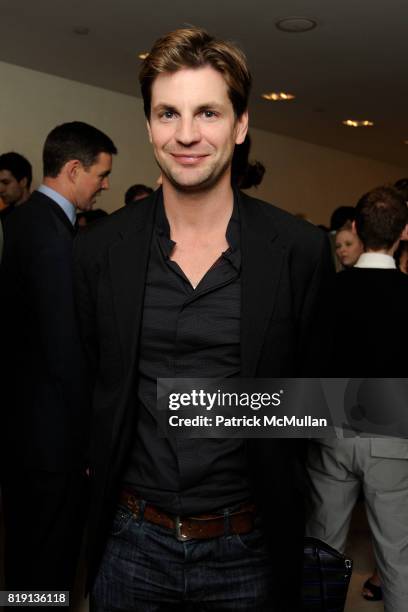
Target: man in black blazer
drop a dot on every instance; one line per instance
(198, 279)
(45, 419)
(370, 340)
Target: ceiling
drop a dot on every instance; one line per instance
(352, 65)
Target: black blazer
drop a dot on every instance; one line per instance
(286, 270)
(44, 419)
(371, 331)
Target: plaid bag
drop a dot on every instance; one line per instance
(326, 577)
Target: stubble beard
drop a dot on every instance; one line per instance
(202, 184)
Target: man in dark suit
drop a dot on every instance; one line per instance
(196, 280)
(370, 306)
(44, 421)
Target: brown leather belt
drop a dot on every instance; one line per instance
(200, 527)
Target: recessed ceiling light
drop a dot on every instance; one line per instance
(81, 30)
(296, 24)
(358, 123)
(143, 56)
(277, 96)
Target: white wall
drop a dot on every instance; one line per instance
(314, 180)
(33, 103)
(300, 177)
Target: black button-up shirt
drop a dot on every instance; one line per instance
(187, 333)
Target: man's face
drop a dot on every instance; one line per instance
(91, 181)
(11, 190)
(193, 128)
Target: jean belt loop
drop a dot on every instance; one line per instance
(142, 508)
(227, 527)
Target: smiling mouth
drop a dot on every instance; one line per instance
(188, 160)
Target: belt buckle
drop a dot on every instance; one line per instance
(181, 537)
(134, 506)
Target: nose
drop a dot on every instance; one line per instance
(188, 132)
(105, 183)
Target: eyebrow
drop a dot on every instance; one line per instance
(161, 106)
(210, 105)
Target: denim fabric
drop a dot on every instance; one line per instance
(146, 569)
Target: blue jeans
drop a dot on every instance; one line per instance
(146, 569)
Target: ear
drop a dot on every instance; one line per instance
(23, 182)
(241, 128)
(353, 228)
(71, 169)
(149, 130)
(404, 233)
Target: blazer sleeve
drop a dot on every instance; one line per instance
(315, 315)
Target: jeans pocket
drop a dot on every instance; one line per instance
(254, 541)
(122, 518)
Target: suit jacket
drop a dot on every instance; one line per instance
(44, 420)
(371, 332)
(286, 267)
(370, 340)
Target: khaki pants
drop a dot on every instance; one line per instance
(338, 468)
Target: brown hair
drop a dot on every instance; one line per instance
(381, 215)
(195, 48)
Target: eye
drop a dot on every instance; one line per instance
(209, 114)
(167, 115)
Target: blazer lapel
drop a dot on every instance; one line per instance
(262, 258)
(128, 260)
(263, 253)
